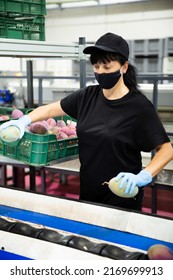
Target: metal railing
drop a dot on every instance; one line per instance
(155, 79)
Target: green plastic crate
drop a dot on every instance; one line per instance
(32, 28)
(40, 150)
(22, 7)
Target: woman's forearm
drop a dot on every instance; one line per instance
(163, 156)
(46, 111)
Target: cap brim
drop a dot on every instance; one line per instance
(89, 50)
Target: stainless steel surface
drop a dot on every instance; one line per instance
(71, 165)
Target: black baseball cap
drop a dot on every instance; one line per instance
(110, 42)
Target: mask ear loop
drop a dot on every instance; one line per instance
(121, 72)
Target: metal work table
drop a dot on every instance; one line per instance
(18, 172)
(68, 165)
(71, 165)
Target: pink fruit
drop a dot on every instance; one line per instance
(61, 123)
(66, 130)
(44, 123)
(38, 128)
(71, 121)
(17, 113)
(71, 125)
(54, 130)
(61, 135)
(160, 252)
(72, 132)
(51, 122)
(4, 117)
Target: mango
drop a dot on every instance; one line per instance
(61, 135)
(69, 131)
(114, 187)
(51, 122)
(38, 128)
(61, 123)
(4, 117)
(71, 124)
(10, 134)
(54, 130)
(44, 123)
(160, 252)
(17, 114)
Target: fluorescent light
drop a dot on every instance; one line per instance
(79, 4)
(52, 6)
(63, 4)
(108, 2)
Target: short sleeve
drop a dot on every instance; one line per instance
(150, 131)
(69, 104)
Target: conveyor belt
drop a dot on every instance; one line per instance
(74, 241)
(119, 234)
(84, 229)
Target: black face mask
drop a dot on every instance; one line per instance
(108, 80)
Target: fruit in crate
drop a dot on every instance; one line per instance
(16, 113)
(61, 123)
(60, 128)
(4, 117)
(61, 135)
(38, 128)
(51, 122)
(67, 130)
(54, 130)
(44, 123)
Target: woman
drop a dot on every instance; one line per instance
(115, 122)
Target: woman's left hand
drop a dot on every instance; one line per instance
(131, 180)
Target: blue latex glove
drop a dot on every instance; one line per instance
(142, 179)
(21, 123)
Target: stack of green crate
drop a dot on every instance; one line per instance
(23, 19)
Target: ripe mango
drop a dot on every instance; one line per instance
(61, 123)
(4, 117)
(160, 252)
(17, 114)
(51, 122)
(61, 135)
(38, 128)
(114, 187)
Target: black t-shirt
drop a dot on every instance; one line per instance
(111, 135)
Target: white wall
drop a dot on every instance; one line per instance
(150, 19)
